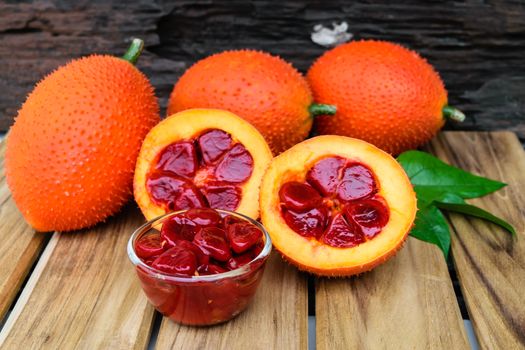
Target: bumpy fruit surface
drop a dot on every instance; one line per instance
(337, 206)
(384, 93)
(263, 89)
(201, 158)
(72, 149)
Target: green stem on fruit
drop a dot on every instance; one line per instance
(134, 51)
(453, 113)
(316, 109)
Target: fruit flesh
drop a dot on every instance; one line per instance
(205, 171)
(334, 186)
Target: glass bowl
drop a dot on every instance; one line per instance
(199, 300)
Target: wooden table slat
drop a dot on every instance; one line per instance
(84, 294)
(491, 263)
(20, 244)
(406, 303)
(276, 319)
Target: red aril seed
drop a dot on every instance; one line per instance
(213, 144)
(229, 220)
(342, 234)
(325, 174)
(188, 197)
(240, 260)
(371, 215)
(176, 261)
(210, 269)
(357, 182)
(174, 192)
(179, 158)
(204, 217)
(299, 196)
(258, 248)
(243, 236)
(202, 258)
(308, 224)
(235, 166)
(149, 246)
(221, 195)
(176, 228)
(213, 241)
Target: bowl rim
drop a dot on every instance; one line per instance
(137, 262)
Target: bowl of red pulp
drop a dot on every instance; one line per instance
(203, 269)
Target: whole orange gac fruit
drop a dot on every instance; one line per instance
(384, 94)
(71, 152)
(263, 89)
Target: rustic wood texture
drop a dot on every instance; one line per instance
(491, 263)
(407, 303)
(277, 318)
(20, 244)
(478, 47)
(83, 294)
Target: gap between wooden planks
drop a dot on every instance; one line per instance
(83, 294)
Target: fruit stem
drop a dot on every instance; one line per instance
(316, 109)
(453, 113)
(134, 50)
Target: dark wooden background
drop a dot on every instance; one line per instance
(477, 46)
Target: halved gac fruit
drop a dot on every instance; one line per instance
(336, 206)
(201, 158)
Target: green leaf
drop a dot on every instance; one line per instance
(441, 186)
(432, 178)
(472, 210)
(431, 226)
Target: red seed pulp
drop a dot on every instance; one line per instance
(176, 261)
(338, 203)
(212, 241)
(197, 242)
(206, 171)
(149, 246)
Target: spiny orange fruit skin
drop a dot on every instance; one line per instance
(71, 152)
(263, 89)
(385, 94)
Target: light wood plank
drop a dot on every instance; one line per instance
(406, 303)
(490, 263)
(277, 318)
(20, 244)
(84, 295)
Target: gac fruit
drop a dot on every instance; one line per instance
(263, 89)
(336, 206)
(71, 152)
(384, 94)
(201, 158)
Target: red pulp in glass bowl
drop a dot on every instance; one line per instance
(178, 264)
